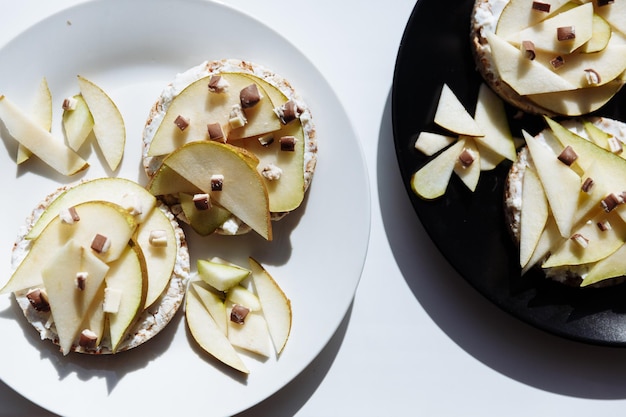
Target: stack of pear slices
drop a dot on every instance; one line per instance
(572, 211)
(101, 266)
(230, 307)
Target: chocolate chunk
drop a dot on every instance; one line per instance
(602, 3)
(217, 182)
(201, 201)
(582, 241)
(466, 158)
(604, 226)
(217, 84)
(87, 339)
(615, 145)
(69, 104)
(557, 62)
(587, 184)
(266, 140)
(568, 156)
(288, 112)
(100, 243)
(287, 143)
(611, 201)
(541, 7)
(565, 33)
(249, 96)
(81, 280)
(69, 216)
(238, 314)
(528, 49)
(38, 299)
(182, 122)
(215, 132)
(592, 76)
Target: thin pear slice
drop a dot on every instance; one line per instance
(601, 242)
(95, 317)
(202, 107)
(615, 14)
(123, 192)
(430, 143)
(534, 214)
(96, 217)
(167, 181)
(431, 181)
(544, 33)
(243, 193)
(108, 126)
(523, 75)
(68, 304)
(251, 335)
(491, 116)
(275, 304)
(560, 182)
(213, 303)
(469, 174)
(600, 36)
(39, 141)
(41, 114)
(243, 296)
(77, 123)
(221, 276)
(160, 259)
(610, 267)
(203, 222)
(519, 14)
(208, 335)
(550, 238)
(452, 115)
(128, 275)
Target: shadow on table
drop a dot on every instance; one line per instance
(498, 340)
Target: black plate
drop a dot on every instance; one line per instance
(469, 228)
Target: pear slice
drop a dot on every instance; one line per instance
(39, 141)
(550, 238)
(239, 294)
(599, 37)
(95, 318)
(431, 181)
(252, 335)
(523, 75)
(202, 107)
(610, 267)
(600, 243)
(128, 275)
(203, 222)
(452, 115)
(123, 192)
(108, 127)
(491, 116)
(68, 304)
(96, 217)
(159, 259)
(77, 123)
(213, 303)
(469, 174)
(167, 181)
(519, 14)
(41, 114)
(615, 14)
(208, 334)
(544, 34)
(534, 214)
(275, 304)
(560, 182)
(243, 194)
(430, 143)
(221, 276)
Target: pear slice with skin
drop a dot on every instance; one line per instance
(208, 334)
(251, 335)
(452, 115)
(491, 116)
(519, 14)
(221, 276)
(41, 114)
(68, 304)
(77, 123)
(275, 304)
(108, 123)
(430, 143)
(243, 193)
(615, 14)
(203, 222)
(469, 174)
(550, 238)
(39, 141)
(560, 182)
(431, 181)
(534, 214)
(610, 267)
(601, 33)
(213, 303)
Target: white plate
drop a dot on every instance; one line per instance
(132, 49)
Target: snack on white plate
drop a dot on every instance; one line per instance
(108, 291)
(551, 57)
(245, 105)
(571, 178)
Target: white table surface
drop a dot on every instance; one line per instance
(418, 340)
